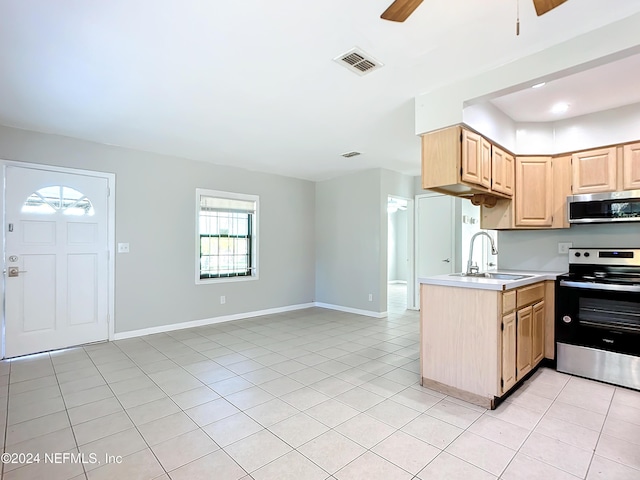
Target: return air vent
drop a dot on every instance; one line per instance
(350, 154)
(358, 61)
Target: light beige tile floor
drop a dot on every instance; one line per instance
(313, 394)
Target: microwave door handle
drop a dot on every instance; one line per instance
(600, 286)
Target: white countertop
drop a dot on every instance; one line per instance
(489, 283)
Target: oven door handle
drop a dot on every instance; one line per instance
(600, 286)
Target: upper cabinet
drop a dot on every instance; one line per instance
(594, 171)
(534, 202)
(458, 161)
(606, 169)
(631, 167)
(542, 185)
(502, 170)
(528, 192)
(476, 159)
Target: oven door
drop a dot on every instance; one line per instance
(601, 316)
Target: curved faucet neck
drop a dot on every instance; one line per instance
(471, 268)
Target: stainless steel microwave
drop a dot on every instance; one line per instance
(604, 207)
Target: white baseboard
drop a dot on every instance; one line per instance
(209, 321)
(397, 282)
(357, 311)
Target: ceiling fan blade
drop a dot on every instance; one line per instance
(400, 10)
(544, 6)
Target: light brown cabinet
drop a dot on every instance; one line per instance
(542, 185)
(534, 202)
(524, 320)
(594, 171)
(477, 344)
(502, 171)
(476, 159)
(458, 161)
(631, 167)
(523, 332)
(537, 335)
(527, 192)
(508, 352)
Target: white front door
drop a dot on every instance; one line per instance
(434, 237)
(56, 260)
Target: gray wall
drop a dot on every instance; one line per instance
(351, 237)
(538, 250)
(155, 202)
(348, 241)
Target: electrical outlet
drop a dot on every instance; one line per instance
(223, 299)
(563, 247)
(371, 297)
(123, 248)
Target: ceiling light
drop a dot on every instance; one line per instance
(560, 107)
(538, 85)
(350, 154)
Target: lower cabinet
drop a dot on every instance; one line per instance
(508, 352)
(523, 336)
(537, 336)
(478, 344)
(524, 343)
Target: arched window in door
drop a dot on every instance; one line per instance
(57, 198)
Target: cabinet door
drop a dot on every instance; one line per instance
(537, 351)
(534, 198)
(485, 158)
(523, 341)
(631, 167)
(594, 171)
(508, 351)
(473, 157)
(502, 171)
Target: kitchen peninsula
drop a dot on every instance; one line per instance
(481, 336)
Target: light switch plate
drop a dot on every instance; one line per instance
(123, 248)
(563, 247)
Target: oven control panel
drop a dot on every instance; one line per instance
(604, 256)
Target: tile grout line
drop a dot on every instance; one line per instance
(66, 411)
(124, 410)
(606, 416)
(6, 420)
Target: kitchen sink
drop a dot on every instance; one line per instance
(497, 276)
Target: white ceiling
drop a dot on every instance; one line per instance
(252, 83)
(601, 88)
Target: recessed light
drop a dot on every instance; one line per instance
(560, 107)
(538, 85)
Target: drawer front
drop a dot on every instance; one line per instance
(508, 302)
(530, 294)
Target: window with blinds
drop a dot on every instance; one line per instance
(227, 235)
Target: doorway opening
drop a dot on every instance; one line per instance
(399, 253)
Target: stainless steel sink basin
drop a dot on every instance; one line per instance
(497, 276)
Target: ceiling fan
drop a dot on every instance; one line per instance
(400, 10)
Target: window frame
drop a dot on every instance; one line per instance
(254, 236)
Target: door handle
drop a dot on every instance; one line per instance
(15, 271)
(446, 260)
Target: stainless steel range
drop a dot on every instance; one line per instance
(598, 315)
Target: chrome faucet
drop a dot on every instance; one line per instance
(472, 268)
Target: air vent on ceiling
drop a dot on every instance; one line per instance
(350, 154)
(358, 61)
